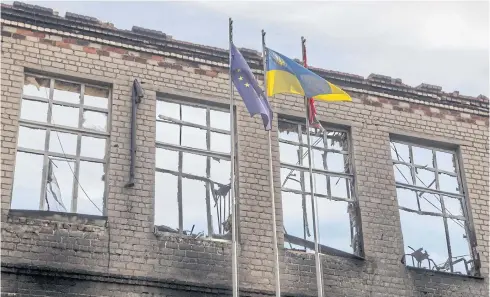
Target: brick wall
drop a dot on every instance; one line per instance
(123, 244)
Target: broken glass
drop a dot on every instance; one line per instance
(93, 147)
(168, 133)
(65, 116)
(334, 224)
(91, 188)
(167, 159)
(194, 164)
(400, 152)
(166, 202)
(194, 137)
(62, 143)
(422, 157)
(424, 239)
(448, 183)
(27, 181)
(337, 140)
(194, 211)
(291, 179)
(31, 138)
(220, 142)
(66, 92)
(96, 97)
(168, 109)
(36, 86)
(446, 161)
(194, 115)
(292, 213)
(219, 120)
(460, 248)
(59, 184)
(34, 111)
(288, 131)
(96, 121)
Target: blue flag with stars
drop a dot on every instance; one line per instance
(248, 88)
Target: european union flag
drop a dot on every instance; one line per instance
(248, 88)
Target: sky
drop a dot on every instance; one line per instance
(443, 43)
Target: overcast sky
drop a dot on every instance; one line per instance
(441, 43)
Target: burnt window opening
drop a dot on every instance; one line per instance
(339, 220)
(436, 230)
(61, 147)
(192, 176)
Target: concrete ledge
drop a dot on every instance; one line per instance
(55, 216)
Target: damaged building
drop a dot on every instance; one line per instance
(116, 174)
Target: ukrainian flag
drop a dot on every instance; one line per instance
(286, 76)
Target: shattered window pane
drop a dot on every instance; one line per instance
(63, 143)
(400, 152)
(91, 188)
(36, 86)
(31, 138)
(27, 181)
(34, 111)
(94, 121)
(204, 195)
(60, 175)
(96, 97)
(64, 116)
(434, 235)
(66, 92)
(59, 184)
(403, 174)
(338, 219)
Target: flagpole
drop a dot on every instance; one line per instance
(319, 273)
(271, 183)
(234, 259)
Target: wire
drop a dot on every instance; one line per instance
(69, 165)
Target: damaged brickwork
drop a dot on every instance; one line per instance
(120, 254)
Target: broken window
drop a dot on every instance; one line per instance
(339, 221)
(435, 226)
(61, 147)
(192, 177)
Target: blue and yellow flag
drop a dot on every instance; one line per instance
(286, 76)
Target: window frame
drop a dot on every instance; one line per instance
(350, 178)
(79, 131)
(208, 153)
(462, 196)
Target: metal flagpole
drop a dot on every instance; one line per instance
(271, 182)
(234, 258)
(319, 279)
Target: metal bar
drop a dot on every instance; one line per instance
(59, 155)
(35, 98)
(289, 190)
(319, 171)
(423, 146)
(306, 228)
(426, 190)
(234, 259)
(423, 167)
(314, 147)
(188, 176)
(316, 234)
(271, 184)
(85, 107)
(434, 214)
(74, 204)
(211, 105)
(179, 180)
(165, 119)
(208, 175)
(46, 147)
(323, 248)
(38, 125)
(187, 149)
